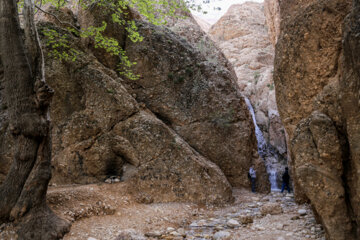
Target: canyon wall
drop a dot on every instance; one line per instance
(317, 91)
(242, 34)
(181, 132)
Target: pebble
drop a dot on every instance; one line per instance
(175, 233)
(155, 234)
(302, 212)
(91, 238)
(232, 223)
(221, 235)
(246, 219)
(170, 229)
(279, 226)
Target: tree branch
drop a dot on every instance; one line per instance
(56, 17)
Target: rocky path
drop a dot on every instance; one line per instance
(108, 211)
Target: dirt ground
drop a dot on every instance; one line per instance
(108, 211)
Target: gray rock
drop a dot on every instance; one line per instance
(154, 234)
(232, 223)
(302, 212)
(221, 235)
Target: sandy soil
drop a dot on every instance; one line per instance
(107, 211)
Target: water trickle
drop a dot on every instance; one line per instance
(259, 136)
(262, 149)
(273, 181)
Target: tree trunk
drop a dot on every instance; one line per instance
(23, 193)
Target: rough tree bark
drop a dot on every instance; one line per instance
(26, 95)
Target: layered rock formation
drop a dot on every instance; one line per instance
(317, 89)
(183, 129)
(242, 34)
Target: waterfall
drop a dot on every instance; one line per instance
(259, 136)
(272, 178)
(262, 148)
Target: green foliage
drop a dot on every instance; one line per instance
(59, 45)
(270, 86)
(256, 76)
(154, 11)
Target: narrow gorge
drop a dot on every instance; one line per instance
(166, 154)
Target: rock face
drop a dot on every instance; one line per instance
(194, 93)
(243, 37)
(317, 87)
(272, 13)
(183, 127)
(350, 105)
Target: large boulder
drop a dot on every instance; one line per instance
(317, 87)
(98, 128)
(194, 94)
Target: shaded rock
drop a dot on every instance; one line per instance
(318, 98)
(350, 105)
(246, 219)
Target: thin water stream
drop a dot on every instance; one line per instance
(262, 149)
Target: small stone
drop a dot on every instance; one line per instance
(280, 238)
(181, 231)
(295, 218)
(302, 212)
(246, 219)
(221, 235)
(271, 208)
(108, 180)
(219, 228)
(175, 233)
(154, 234)
(194, 224)
(232, 223)
(279, 226)
(170, 229)
(91, 238)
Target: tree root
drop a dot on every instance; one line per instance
(41, 223)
